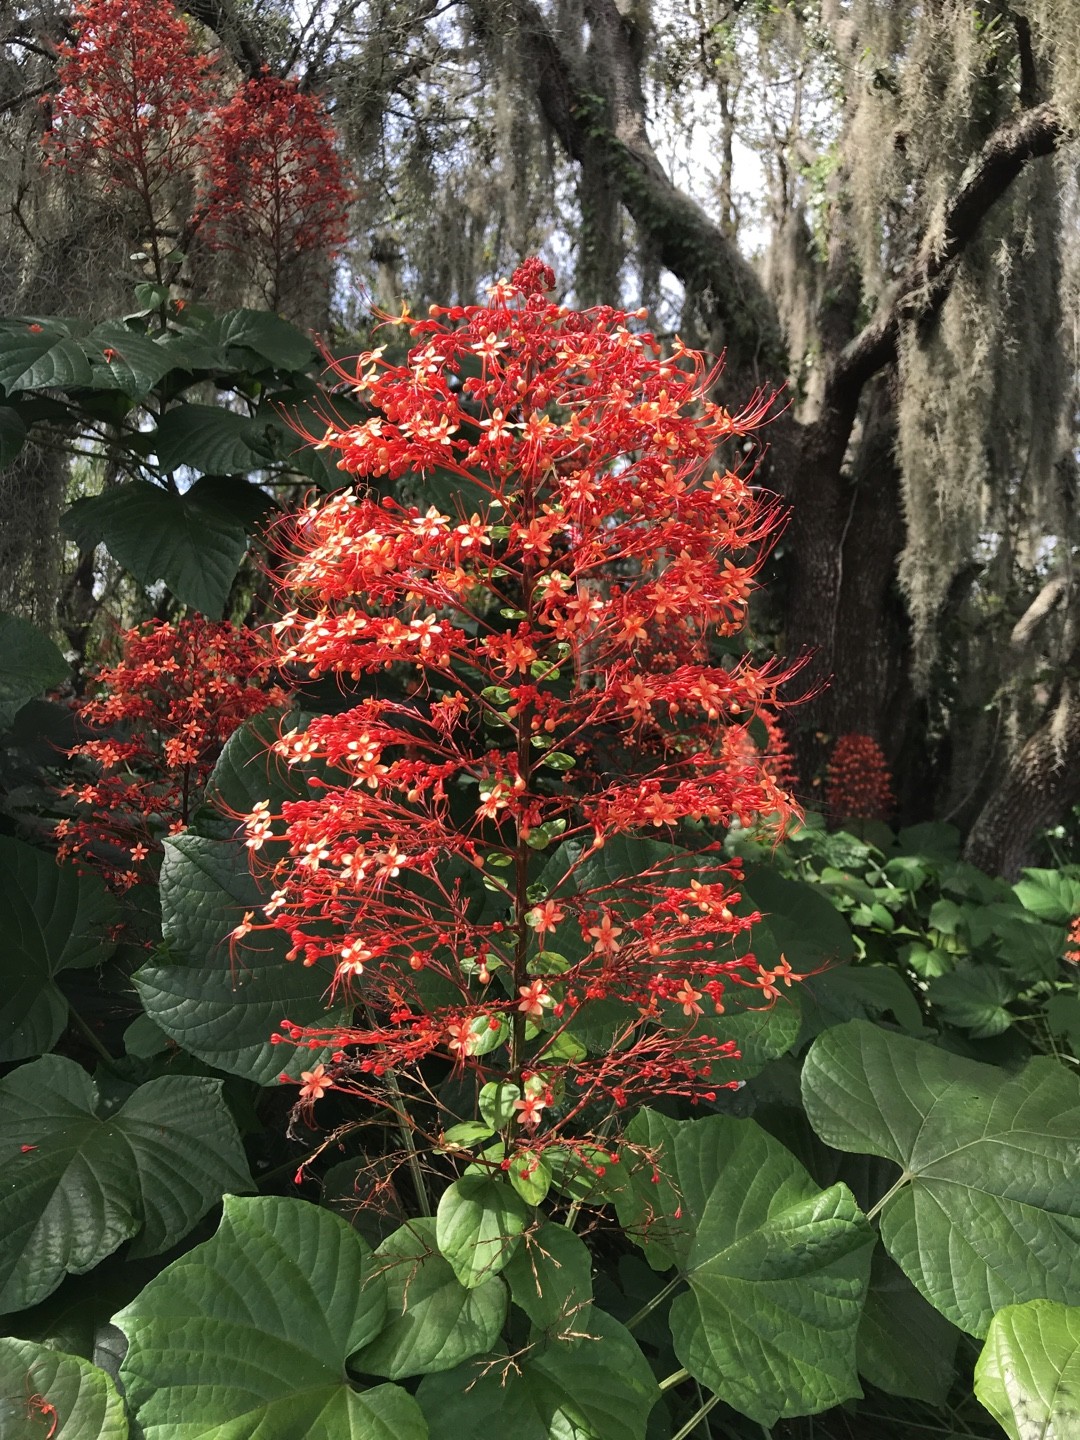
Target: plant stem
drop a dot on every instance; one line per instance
(676, 1379)
(650, 1305)
(422, 1197)
(696, 1418)
(892, 1190)
(88, 1035)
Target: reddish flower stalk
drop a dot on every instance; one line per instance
(858, 784)
(132, 98)
(277, 182)
(422, 874)
(165, 710)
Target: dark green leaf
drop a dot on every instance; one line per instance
(41, 354)
(29, 664)
(1028, 1375)
(973, 997)
(193, 541)
(597, 1388)
(12, 434)
(434, 1321)
(269, 336)
(986, 1211)
(77, 1183)
(53, 919)
(221, 1007)
(127, 360)
(84, 1401)
(211, 439)
(247, 1336)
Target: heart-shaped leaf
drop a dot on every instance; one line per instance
(777, 1268)
(1028, 1375)
(596, 1388)
(248, 1335)
(434, 1322)
(194, 542)
(53, 919)
(986, 1209)
(210, 439)
(78, 1183)
(478, 1226)
(550, 1278)
(45, 1393)
(224, 1007)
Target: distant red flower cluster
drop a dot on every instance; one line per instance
(858, 784)
(132, 97)
(516, 620)
(165, 710)
(277, 188)
(1072, 943)
(139, 106)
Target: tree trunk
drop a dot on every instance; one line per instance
(1039, 786)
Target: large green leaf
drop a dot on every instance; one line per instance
(905, 1346)
(1050, 894)
(986, 1209)
(224, 1007)
(1028, 1375)
(247, 1336)
(78, 1182)
(799, 922)
(777, 1268)
(434, 1322)
(478, 1227)
(47, 1395)
(194, 542)
(53, 918)
(596, 1388)
(268, 336)
(210, 439)
(41, 354)
(29, 664)
(550, 1278)
(973, 997)
(127, 360)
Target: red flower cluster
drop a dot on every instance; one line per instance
(133, 94)
(136, 106)
(177, 694)
(479, 891)
(858, 783)
(1072, 943)
(277, 183)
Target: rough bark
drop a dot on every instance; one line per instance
(1040, 784)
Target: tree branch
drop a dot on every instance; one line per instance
(610, 128)
(926, 282)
